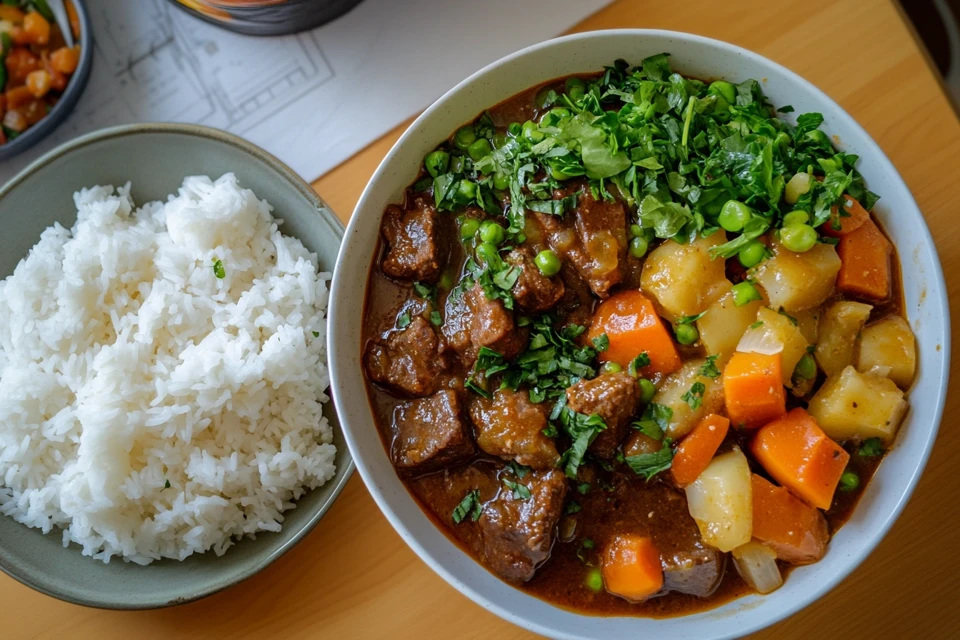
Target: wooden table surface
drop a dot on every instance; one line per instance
(354, 578)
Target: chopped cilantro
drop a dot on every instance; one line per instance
(571, 508)
(435, 318)
(694, 397)
(871, 447)
(166, 484)
(218, 269)
(648, 465)
(789, 317)
(518, 469)
(477, 389)
(601, 343)
(757, 324)
(427, 292)
(404, 320)
(520, 491)
(582, 430)
(709, 368)
(585, 547)
(583, 488)
(690, 319)
(642, 360)
(316, 334)
(470, 506)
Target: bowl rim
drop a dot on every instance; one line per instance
(337, 484)
(366, 471)
(69, 97)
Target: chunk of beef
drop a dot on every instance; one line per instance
(696, 570)
(517, 534)
(412, 238)
(430, 433)
(533, 292)
(614, 397)
(593, 238)
(474, 321)
(510, 426)
(409, 361)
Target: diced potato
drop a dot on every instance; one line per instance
(857, 405)
(839, 326)
(798, 281)
(682, 278)
(808, 321)
(671, 392)
(724, 324)
(776, 327)
(889, 343)
(757, 565)
(721, 501)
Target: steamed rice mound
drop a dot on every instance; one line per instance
(149, 408)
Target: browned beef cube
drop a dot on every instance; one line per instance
(517, 534)
(474, 321)
(412, 243)
(696, 571)
(409, 361)
(593, 238)
(510, 426)
(614, 397)
(533, 292)
(430, 433)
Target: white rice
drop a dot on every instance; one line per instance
(148, 408)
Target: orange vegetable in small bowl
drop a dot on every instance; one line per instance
(632, 326)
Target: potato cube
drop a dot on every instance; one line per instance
(889, 344)
(798, 281)
(679, 383)
(724, 324)
(776, 327)
(839, 327)
(682, 278)
(857, 405)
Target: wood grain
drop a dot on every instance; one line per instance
(353, 576)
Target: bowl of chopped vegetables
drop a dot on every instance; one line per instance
(627, 343)
(44, 70)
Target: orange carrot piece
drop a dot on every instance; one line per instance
(753, 389)
(696, 450)
(633, 327)
(631, 567)
(797, 533)
(801, 457)
(855, 216)
(865, 263)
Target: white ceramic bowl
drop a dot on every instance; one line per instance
(926, 306)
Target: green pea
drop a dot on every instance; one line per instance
(594, 580)
(499, 139)
(467, 189)
(636, 231)
(806, 368)
(734, 215)
(479, 149)
(798, 237)
(437, 162)
(469, 228)
(647, 390)
(492, 232)
(488, 252)
(849, 481)
(687, 334)
(464, 137)
(555, 115)
(796, 217)
(752, 253)
(548, 263)
(745, 293)
(514, 129)
(501, 182)
(575, 88)
(723, 89)
(639, 246)
(611, 367)
(457, 164)
(531, 132)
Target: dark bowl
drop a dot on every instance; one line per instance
(68, 100)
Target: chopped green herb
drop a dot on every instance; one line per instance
(583, 488)
(477, 389)
(642, 360)
(691, 319)
(789, 317)
(582, 430)
(757, 324)
(520, 491)
(601, 343)
(585, 547)
(166, 484)
(709, 368)
(470, 506)
(571, 508)
(218, 269)
(871, 448)
(518, 469)
(694, 397)
(427, 292)
(404, 320)
(648, 465)
(435, 318)
(316, 334)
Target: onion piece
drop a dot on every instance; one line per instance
(759, 340)
(757, 565)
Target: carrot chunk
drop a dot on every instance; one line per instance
(852, 219)
(865, 263)
(753, 389)
(631, 567)
(696, 450)
(797, 533)
(633, 327)
(800, 456)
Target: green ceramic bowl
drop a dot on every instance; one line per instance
(155, 158)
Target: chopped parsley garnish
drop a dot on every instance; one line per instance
(585, 547)
(709, 368)
(404, 320)
(571, 508)
(218, 269)
(871, 447)
(642, 360)
(166, 484)
(601, 343)
(583, 488)
(470, 506)
(648, 465)
(757, 324)
(582, 430)
(435, 318)
(789, 317)
(520, 491)
(477, 389)
(518, 469)
(691, 319)
(316, 334)
(427, 292)
(694, 396)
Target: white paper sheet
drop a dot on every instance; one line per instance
(313, 99)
